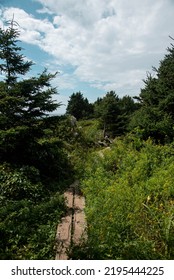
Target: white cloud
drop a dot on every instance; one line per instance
(63, 100)
(45, 10)
(32, 29)
(121, 85)
(66, 81)
(109, 43)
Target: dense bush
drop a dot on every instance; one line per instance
(129, 193)
(20, 183)
(91, 131)
(28, 229)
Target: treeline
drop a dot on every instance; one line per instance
(151, 114)
(113, 113)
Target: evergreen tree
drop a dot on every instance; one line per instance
(12, 62)
(156, 115)
(109, 111)
(33, 163)
(127, 105)
(79, 107)
(23, 102)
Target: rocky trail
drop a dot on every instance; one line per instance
(71, 230)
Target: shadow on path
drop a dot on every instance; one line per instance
(71, 230)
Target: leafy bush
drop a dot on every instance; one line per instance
(29, 214)
(91, 130)
(28, 229)
(20, 183)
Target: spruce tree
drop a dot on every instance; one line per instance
(79, 107)
(23, 102)
(156, 116)
(12, 62)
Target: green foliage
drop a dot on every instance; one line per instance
(29, 214)
(91, 130)
(28, 229)
(108, 111)
(23, 140)
(23, 183)
(114, 113)
(79, 107)
(130, 201)
(33, 161)
(153, 123)
(13, 62)
(21, 102)
(156, 115)
(128, 186)
(52, 160)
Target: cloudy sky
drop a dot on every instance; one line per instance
(96, 45)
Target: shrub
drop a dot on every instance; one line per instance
(21, 183)
(130, 201)
(27, 229)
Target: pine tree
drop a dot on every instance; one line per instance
(13, 62)
(156, 115)
(109, 112)
(21, 101)
(79, 107)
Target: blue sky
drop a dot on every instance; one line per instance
(95, 45)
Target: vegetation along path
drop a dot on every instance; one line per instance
(71, 230)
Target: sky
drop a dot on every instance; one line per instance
(94, 45)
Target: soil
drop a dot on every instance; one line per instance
(71, 230)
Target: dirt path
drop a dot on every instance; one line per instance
(72, 227)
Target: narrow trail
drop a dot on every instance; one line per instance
(71, 230)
